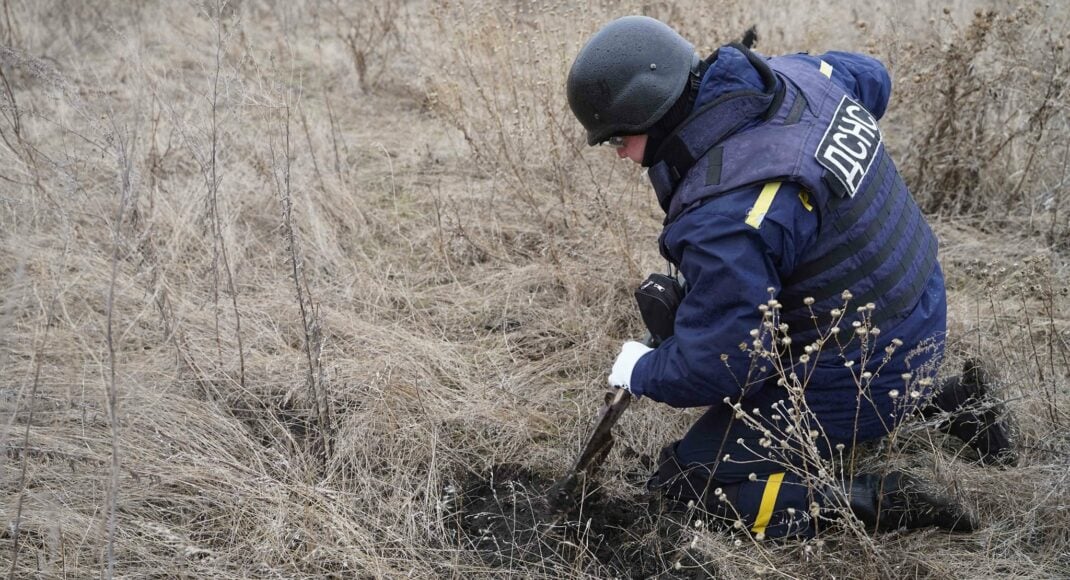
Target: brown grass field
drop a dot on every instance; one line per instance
(276, 274)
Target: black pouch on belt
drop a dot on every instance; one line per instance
(658, 298)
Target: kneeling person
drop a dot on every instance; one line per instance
(774, 177)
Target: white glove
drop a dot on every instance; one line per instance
(630, 353)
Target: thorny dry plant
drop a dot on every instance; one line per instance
(355, 251)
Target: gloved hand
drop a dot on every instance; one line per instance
(630, 353)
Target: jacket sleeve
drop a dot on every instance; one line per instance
(728, 266)
(864, 77)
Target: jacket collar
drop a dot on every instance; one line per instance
(720, 111)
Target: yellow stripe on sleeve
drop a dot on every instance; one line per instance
(804, 197)
(761, 207)
(826, 69)
(765, 512)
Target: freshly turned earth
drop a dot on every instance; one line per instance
(504, 516)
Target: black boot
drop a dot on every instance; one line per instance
(901, 501)
(975, 416)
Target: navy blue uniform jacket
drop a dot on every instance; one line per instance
(729, 264)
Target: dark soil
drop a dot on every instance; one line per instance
(504, 517)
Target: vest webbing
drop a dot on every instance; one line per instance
(875, 243)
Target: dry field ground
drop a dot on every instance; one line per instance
(275, 274)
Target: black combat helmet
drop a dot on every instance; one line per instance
(627, 76)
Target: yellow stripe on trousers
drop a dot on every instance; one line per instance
(765, 199)
(765, 512)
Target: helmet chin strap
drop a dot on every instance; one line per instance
(679, 111)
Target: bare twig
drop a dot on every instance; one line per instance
(212, 179)
(124, 151)
(313, 343)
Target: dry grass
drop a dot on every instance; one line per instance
(274, 272)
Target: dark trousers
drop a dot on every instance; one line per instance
(740, 476)
(744, 478)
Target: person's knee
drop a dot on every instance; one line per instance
(771, 506)
(677, 480)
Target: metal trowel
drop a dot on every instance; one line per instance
(565, 494)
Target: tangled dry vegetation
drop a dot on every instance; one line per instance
(274, 274)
